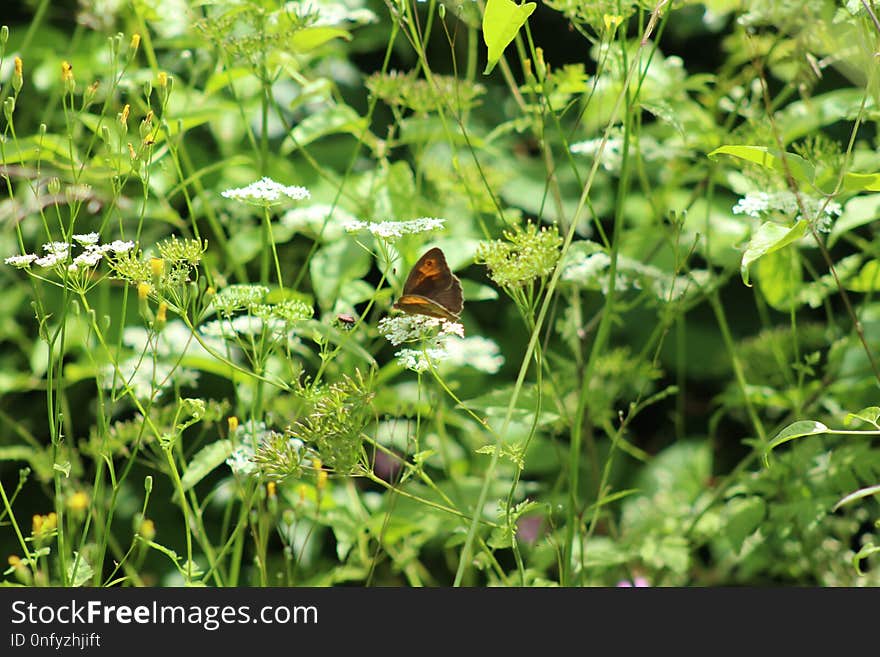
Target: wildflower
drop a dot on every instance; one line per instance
(117, 246)
(753, 204)
(394, 229)
(43, 527)
(526, 254)
(820, 210)
(420, 360)
(411, 328)
(57, 248)
(88, 259)
(18, 75)
(50, 260)
(147, 529)
(87, 239)
(21, 261)
(79, 501)
(266, 192)
(67, 77)
(240, 460)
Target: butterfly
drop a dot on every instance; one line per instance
(432, 289)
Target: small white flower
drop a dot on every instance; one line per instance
(393, 229)
(419, 360)
(50, 260)
(87, 239)
(117, 246)
(21, 261)
(612, 155)
(753, 204)
(240, 460)
(61, 249)
(88, 259)
(411, 328)
(266, 192)
(244, 325)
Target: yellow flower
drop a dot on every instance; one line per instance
(79, 501)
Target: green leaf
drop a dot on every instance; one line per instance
(335, 120)
(780, 278)
(868, 278)
(857, 212)
(501, 22)
(205, 460)
(862, 493)
(858, 182)
(84, 571)
(870, 415)
(768, 238)
(310, 38)
(799, 429)
(744, 516)
(333, 266)
(801, 170)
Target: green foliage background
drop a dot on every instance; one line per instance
(663, 217)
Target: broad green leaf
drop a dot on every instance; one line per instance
(868, 278)
(804, 117)
(335, 120)
(780, 278)
(333, 266)
(799, 429)
(768, 238)
(245, 244)
(501, 22)
(858, 182)
(205, 460)
(801, 170)
(857, 212)
(310, 38)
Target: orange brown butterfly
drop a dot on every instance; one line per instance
(432, 289)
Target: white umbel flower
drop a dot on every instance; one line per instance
(266, 192)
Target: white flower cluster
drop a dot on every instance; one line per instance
(612, 155)
(390, 230)
(591, 270)
(59, 253)
(244, 325)
(413, 328)
(266, 192)
(331, 12)
(755, 204)
(438, 347)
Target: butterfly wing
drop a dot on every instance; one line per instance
(432, 289)
(430, 274)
